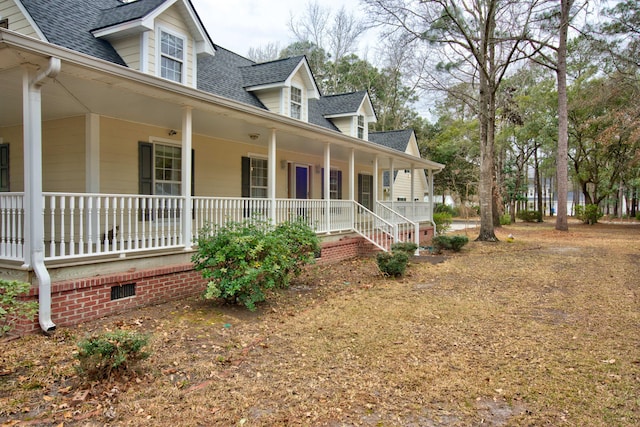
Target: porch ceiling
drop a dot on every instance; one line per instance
(85, 86)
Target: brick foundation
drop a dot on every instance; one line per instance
(81, 300)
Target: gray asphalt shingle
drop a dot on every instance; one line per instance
(395, 139)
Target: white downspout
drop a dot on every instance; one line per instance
(34, 206)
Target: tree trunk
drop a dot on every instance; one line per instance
(563, 126)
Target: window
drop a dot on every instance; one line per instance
(160, 169)
(361, 127)
(335, 184)
(171, 56)
(365, 190)
(254, 177)
(4, 167)
(168, 170)
(296, 102)
(259, 177)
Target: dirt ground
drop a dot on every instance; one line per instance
(544, 330)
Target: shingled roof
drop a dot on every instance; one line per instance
(125, 12)
(267, 73)
(395, 139)
(69, 23)
(344, 103)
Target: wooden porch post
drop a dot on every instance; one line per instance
(375, 184)
(352, 172)
(391, 182)
(186, 177)
(271, 179)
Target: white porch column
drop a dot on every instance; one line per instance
(33, 200)
(327, 182)
(391, 182)
(431, 201)
(375, 185)
(352, 173)
(271, 178)
(92, 152)
(187, 224)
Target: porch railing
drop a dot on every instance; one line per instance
(414, 211)
(82, 224)
(12, 226)
(404, 230)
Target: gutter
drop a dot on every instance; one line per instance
(33, 163)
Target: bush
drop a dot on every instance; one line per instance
(392, 264)
(442, 208)
(103, 354)
(407, 247)
(638, 216)
(589, 214)
(442, 221)
(451, 243)
(505, 219)
(11, 307)
(529, 216)
(243, 260)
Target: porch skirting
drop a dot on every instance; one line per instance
(84, 299)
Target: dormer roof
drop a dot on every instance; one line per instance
(279, 73)
(128, 18)
(346, 104)
(395, 139)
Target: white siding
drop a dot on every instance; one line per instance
(172, 20)
(272, 99)
(17, 20)
(129, 49)
(345, 124)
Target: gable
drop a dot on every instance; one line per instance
(19, 20)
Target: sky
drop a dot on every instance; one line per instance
(238, 25)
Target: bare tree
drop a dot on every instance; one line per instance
(266, 53)
(474, 41)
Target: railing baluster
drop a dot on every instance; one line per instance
(52, 232)
(63, 247)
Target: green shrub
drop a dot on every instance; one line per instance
(450, 243)
(442, 221)
(103, 354)
(11, 307)
(589, 214)
(392, 264)
(505, 219)
(442, 208)
(243, 260)
(529, 216)
(407, 247)
(638, 216)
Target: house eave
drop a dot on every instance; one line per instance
(188, 96)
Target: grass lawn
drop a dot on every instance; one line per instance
(544, 330)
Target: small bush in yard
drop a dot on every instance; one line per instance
(450, 243)
(407, 247)
(11, 307)
(589, 214)
(243, 260)
(638, 216)
(529, 216)
(104, 354)
(505, 219)
(392, 264)
(442, 221)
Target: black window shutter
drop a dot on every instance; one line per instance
(145, 168)
(246, 177)
(322, 185)
(360, 188)
(340, 185)
(4, 167)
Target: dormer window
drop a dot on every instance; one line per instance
(361, 127)
(296, 102)
(172, 56)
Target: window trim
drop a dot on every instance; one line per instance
(292, 102)
(359, 126)
(160, 55)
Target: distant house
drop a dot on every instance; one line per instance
(124, 130)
